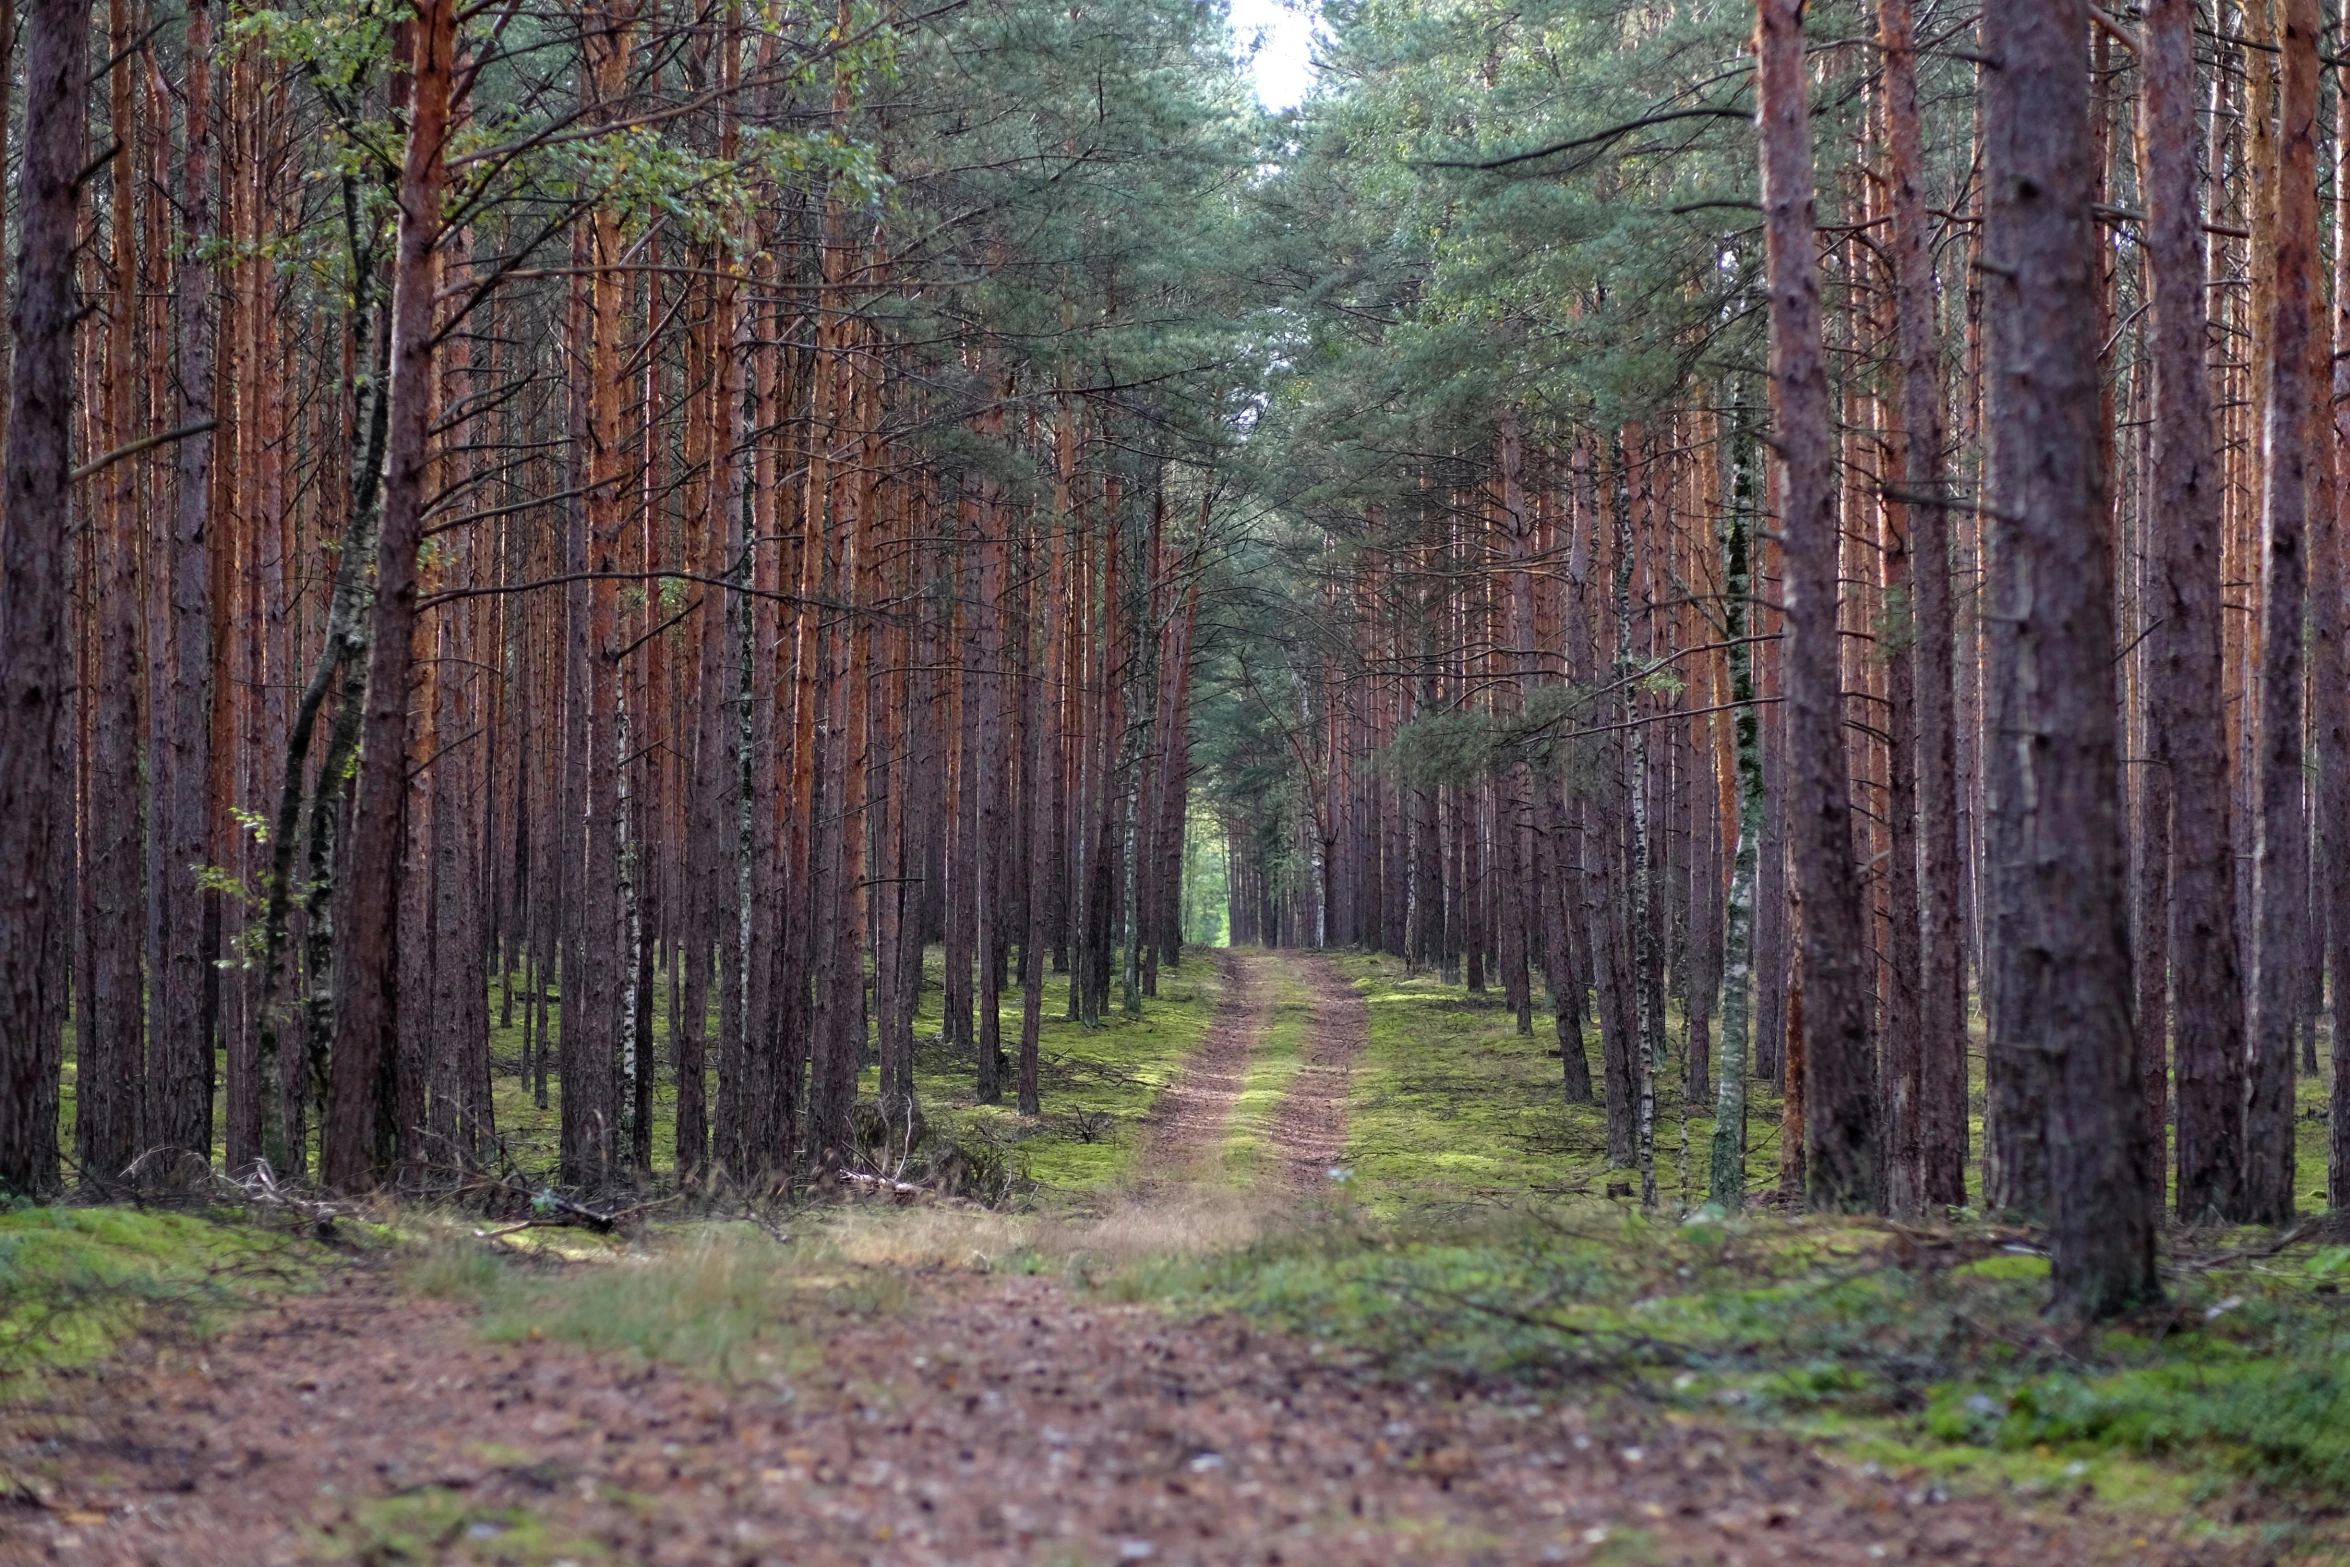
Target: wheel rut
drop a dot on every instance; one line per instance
(1309, 1129)
(1185, 1125)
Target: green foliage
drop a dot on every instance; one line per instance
(337, 49)
(1441, 281)
(1207, 877)
(1447, 748)
(1459, 747)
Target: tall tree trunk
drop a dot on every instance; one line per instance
(2017, 1090)
(2330, 648)
(2066, 886)
(729, 797)
(34, 667)
(1840, 1096)
(2187, 709)
(114, 888)
(1941, 1087)
(2296, 339)
(1727, 1174)
(1037, 741)
(993, 761)
(180, 1055)
(1547, 846)
(357, 1153)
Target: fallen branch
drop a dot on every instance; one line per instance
(546, 1201)
(904, 1191)
(2221, 1259)
(261, 1189)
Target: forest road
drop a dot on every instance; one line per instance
(982, 1422)
(963, 1419)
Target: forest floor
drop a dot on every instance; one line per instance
(948, 1385)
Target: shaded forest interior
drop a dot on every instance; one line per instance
(698, 574)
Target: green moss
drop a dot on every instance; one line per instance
(1097, 1084)
(2282, 1418)
(1451, 1105)
(1838, 1329)
(76, 1282)
(438, 1524)
(2005, 1267)
(2121, 1482)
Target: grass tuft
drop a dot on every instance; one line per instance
(721, 1301)
(438, 1524)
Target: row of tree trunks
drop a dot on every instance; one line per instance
(615, 653)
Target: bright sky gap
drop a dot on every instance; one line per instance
(1283, 68)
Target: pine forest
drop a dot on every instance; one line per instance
(1196, 780)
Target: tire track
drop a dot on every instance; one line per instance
(1309, 1129)
(1185, 1124)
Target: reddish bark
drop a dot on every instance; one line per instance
(358, 1144)
(34, 666)
(1840, 1093)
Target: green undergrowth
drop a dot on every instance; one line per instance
(1450, 1106)
(78, 1283)
(1924, 1348)
(442, 1524)
(1096, 1083)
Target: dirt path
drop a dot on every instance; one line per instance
(987, 1421)
(1309, 1130)
(1185, 1124)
